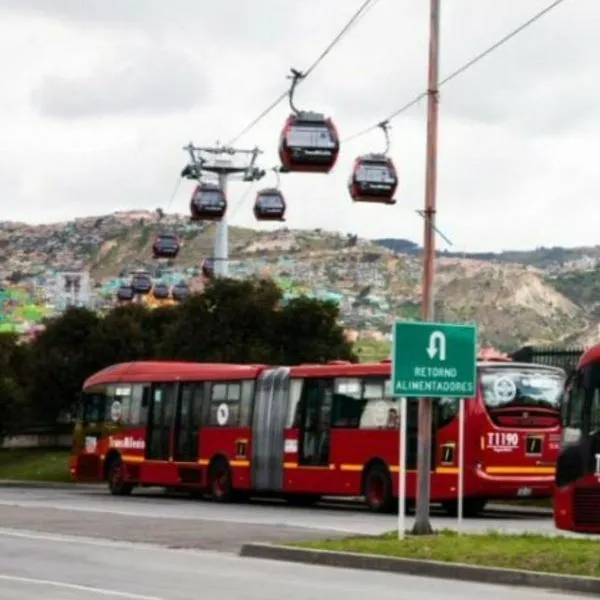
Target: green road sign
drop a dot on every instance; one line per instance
(434, 360)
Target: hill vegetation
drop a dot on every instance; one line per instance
(544, 296)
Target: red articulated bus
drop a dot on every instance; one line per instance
(577, 493)
(313, 430)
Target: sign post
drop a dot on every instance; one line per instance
(432, 360)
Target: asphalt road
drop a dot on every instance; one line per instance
(34, 566)
(184, 523)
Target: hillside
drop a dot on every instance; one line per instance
(553, 259)
(542, 297)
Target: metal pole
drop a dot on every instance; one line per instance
(422, 524)
(221, 249)
(402, 431)
(461, 459)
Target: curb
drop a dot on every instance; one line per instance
(424, 568)
(55, 485)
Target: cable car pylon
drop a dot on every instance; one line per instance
(218, 160)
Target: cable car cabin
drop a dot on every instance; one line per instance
(125, 293)
(141, 283)
(166, 245)
(373, 179)
(208, 268)
(309, 142)
(208, 203)
(180, 292)
(269, 205)
(160, 291)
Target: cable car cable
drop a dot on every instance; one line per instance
(463, 68)
(361, 11)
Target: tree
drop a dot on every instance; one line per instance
(232, 321)
(59, 361)
(309, 332)
(11, 391)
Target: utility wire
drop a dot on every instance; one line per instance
(463, 68)
(362, 10)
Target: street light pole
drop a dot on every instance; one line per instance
(422, 524)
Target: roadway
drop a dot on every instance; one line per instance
(58, 568)
(153, 517)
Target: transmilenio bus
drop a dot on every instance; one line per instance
(313, 430)
(577, 494)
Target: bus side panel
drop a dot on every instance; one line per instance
(308, 479)
(352, 449)
(161, 473)
(234, 444)
(576, 505)
(563, 507)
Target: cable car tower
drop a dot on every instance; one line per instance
(218, 159)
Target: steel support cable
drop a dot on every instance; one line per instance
(360, 12)
(536, 17)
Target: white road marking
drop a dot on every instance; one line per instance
(77, 587)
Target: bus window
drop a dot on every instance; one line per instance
(246, 403)
(293, 416)
(575, 407)
(595, 413)
(94, 407)
(119, 403)
(447, 410)
(225, 403)
(137, 396)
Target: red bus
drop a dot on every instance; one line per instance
(309, 431)
(577, 493)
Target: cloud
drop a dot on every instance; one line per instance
(103, 95)
(138, 79)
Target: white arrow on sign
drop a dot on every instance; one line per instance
(437, 343)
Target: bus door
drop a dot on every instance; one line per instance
(160, 421)
(188, 421)
(268, 423)
(315, 423)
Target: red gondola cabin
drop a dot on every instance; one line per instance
(208, 203)
(141, 283)
(166, 245)
(309, 143)
(269, 205)
(125, 293)
(374, 179)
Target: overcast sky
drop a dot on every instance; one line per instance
(98, 99)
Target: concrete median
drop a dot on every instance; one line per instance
(422, 568)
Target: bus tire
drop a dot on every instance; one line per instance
(220, 481)
(472, 507)
(115, 476)
(377, 488)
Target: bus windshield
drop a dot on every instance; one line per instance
(534, 387)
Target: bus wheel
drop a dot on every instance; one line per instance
(471, 507)
(378, 489)
(116, 478)
(220, 481)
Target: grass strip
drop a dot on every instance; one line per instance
(529, 552)
(35, 465)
